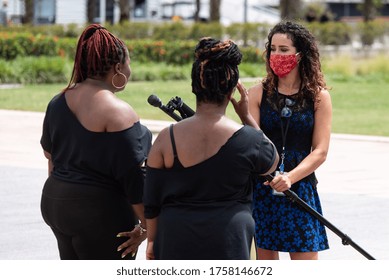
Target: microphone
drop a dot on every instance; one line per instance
(156, 102)
(180, 106)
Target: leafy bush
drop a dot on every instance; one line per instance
(13, 45)
(159, 71)
(331, 33)
(200, 30)
(253, 34)
(53, 55)
(171, 31)
(7, 75)
(371, 31)
(10, 46)
(132, 30)
(31, 70)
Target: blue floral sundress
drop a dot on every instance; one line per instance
(282, 225)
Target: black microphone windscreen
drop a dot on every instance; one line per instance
(154, 101)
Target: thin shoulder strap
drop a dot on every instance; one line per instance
(173, 141)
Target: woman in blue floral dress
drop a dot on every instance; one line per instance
(293, 108)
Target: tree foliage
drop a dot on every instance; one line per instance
(369, 9)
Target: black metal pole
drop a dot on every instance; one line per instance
(346, 240)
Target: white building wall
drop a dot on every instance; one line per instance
(232, 11)
(14, 9)
(71, 11)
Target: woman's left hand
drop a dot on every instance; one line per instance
(135, 238)
(242, 106)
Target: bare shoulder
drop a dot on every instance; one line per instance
(324, 93)
(119, 115)
(155, 157)
(323, 99)
(255, 92)
(162, 136)
(258, 88)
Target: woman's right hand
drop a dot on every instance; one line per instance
(280, 183)
(135, 238)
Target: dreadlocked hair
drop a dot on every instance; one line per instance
(312, 79)
(215, 70)
(97, 51)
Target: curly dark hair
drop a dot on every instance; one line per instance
(215, 70)
(97, 51)
(312, 79)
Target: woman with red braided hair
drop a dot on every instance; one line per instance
(95, 146)
(200, 171)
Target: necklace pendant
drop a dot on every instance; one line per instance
(282, 168)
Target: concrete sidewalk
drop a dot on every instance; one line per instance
(352, 184)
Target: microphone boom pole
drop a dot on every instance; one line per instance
(346, 240)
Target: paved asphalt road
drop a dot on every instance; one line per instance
(353, 188)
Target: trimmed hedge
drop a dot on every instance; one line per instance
(35, 70)
(44, 54)
(171, 52)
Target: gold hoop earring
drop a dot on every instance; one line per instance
(125, 80)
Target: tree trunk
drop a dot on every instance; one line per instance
(369, 9)
(29, 11)
(197, 11)
(214, 10)
(290, 9)
(124, 6)
(90, 10)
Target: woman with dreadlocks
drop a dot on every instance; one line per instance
(95, 145)
(198, 190)
(293, 107)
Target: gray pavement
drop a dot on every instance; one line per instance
(352, 185)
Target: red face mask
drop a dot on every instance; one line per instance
(282, 64)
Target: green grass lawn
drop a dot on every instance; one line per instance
(358, 107)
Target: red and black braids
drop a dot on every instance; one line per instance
(97, 51)
(215, 70)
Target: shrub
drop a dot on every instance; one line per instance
(254, 34)
(10, 46)
(200, 30)
(13, 45)
(331, 33)
(132, 30)
(159, 71)
(371, 31)
(31, 70)
(171, 31)
(7, 75)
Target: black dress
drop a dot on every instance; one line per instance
(204, 211)
(86, 199)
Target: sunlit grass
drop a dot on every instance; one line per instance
(351, 69)
(358, 107)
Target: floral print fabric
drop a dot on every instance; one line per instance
(282, 225)
(282, 64)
